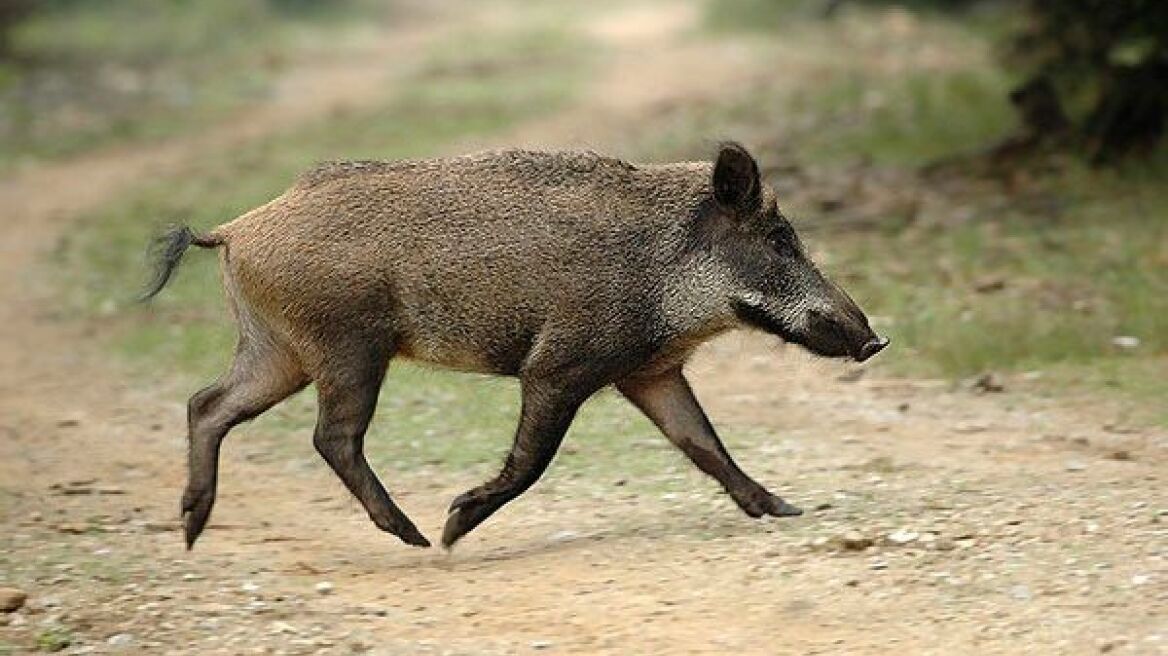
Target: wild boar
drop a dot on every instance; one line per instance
(568, 270)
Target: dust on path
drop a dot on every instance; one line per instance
(1030, 523)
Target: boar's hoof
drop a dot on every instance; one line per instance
(764, 503)
(467, 512)
(454, 529)
(410, 535)
(196, 509)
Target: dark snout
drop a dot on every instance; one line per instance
(843, 333)
(838, 327)
(871, 347)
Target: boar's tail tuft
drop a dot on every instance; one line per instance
(167, 250)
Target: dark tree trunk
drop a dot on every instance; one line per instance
(1129, 116)
(1038, 105)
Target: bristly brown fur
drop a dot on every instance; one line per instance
(568, 270)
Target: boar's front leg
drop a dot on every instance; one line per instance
(669, 402)
(547, 410)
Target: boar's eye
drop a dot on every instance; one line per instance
(782, 236)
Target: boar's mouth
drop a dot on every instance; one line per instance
(755, 316)
(828, 338)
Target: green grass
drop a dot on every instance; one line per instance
(54, 639)
(905, 119)
(1070, 285)
(88, 74)
(769, 16)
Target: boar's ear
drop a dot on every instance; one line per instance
(736, 182)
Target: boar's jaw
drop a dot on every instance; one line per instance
(825, 337)
(757, 317)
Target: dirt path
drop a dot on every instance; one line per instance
(997, 522)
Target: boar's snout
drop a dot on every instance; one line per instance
(843, 331)
(873, 347)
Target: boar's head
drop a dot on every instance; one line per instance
(772, 283)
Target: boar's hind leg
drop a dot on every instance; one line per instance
(669, 402)
(348, 395)
(261, 376)
(544, 418)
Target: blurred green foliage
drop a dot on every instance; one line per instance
(75, 74)
(120, 29)
(1100, 66)
(1108, 62)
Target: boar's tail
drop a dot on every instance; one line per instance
(167, 250)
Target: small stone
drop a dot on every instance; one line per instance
(1125, 342)
(1140, 579)
(1021, 593)
(563, 536)
(541, 644)
(989, 284)
(73, 528)
(120, 639)
(158, 527)
(970, 427)
(1075, 466)
(1120, 454)
(11, 599)
(878, 564)
(249, 587)
(854, 541)
(279, 627)
(944, 544)
(323, 588)
(986, 383)
(902, 537)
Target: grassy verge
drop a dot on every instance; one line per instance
(86, 74)
(1038, 275)
(1020, 291)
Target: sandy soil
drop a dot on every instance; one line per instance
(941, 520)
